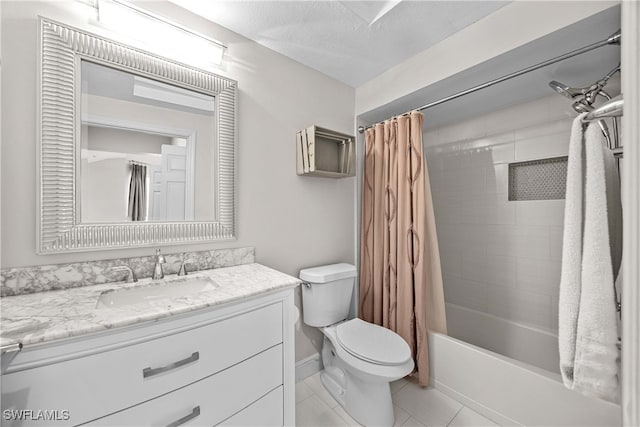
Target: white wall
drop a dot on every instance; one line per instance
(294, 222)
(105, 190)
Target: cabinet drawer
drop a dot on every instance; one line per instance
(93, 386)
(211, 400)
(266, 412)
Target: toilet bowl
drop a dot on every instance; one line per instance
(360, 359)
(359, 367)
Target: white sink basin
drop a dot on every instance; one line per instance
(153, 291)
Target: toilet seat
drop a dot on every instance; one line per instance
(372, 343)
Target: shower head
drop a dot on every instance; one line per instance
(565, 90)
(587, 94)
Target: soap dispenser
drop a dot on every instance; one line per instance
(158, 272)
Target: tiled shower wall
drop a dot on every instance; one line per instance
(499, 257)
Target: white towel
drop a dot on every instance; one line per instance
(588, 336)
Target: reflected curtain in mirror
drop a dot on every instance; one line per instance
(138, 192)
(400, 276)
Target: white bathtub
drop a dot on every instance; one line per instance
(511, 392)
(514, 340)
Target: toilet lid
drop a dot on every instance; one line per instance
(372, 343)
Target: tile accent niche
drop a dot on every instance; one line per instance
(544, 179)
(24, 280)
(499, 257)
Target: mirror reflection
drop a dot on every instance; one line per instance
(147, 149)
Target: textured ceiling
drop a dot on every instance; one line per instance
(351, 41)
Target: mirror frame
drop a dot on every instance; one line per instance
(59, 228)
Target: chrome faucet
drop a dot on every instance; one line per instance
(158, 273)
(183, 266)
(131, 277)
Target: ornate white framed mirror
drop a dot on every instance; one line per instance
(135, 149)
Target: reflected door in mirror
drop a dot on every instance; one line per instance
(169, 185)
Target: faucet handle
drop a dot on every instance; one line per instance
(158, 272)
(131, 277)
(183, 269)
(159, 257)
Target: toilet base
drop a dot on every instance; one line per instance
(366, 401)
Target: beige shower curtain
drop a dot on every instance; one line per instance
(400, 276)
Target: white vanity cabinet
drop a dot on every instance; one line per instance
(230, 365)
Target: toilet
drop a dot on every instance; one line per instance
(360, 359)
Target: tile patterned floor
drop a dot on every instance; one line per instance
(413, 406)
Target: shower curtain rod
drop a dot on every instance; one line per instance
(613, 39)
(135, 162)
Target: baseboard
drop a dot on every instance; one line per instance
(308, 366)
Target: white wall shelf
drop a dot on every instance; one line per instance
(325, 153)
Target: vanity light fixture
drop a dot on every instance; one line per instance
(160, 36)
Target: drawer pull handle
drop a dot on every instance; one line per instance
(192, 415)
(149, 372)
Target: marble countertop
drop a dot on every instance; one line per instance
(47, 316)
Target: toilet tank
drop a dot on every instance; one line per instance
(327, 296)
